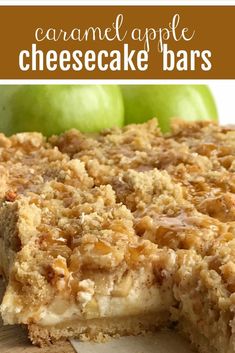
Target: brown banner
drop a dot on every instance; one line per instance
(116, 42)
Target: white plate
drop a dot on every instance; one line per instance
(161, 342)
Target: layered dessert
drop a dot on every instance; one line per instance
(73, 262)
(120, 233)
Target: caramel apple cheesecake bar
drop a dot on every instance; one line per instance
(80, 269)
(73, 263)
(180, 189)
(120, 233)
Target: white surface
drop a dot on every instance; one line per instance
(161, 342)
(224, 93)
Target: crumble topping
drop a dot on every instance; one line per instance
(126, 222)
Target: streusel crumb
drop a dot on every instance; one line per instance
(120, 232)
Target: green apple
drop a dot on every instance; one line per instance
(188, 102)
(52, 109)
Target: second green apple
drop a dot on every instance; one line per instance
(188, 102)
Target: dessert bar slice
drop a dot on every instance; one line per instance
(204, 288)
(77, 268)
(180, 189)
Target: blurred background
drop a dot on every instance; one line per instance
(224, 93)
(53, 109)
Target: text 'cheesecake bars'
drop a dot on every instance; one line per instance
(120, 233)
